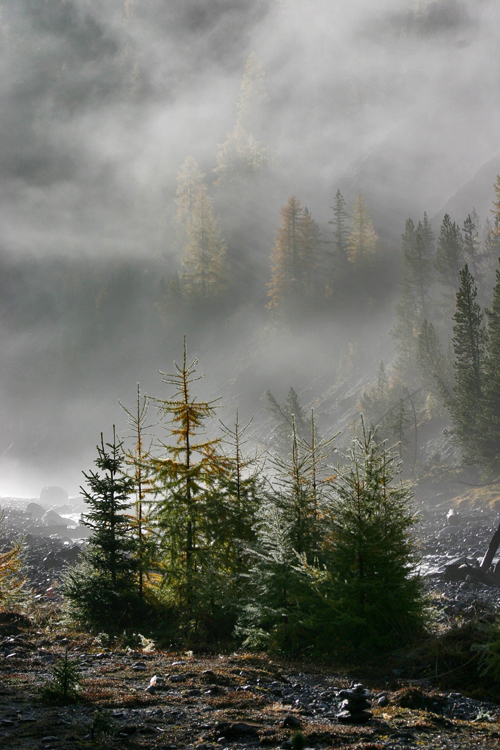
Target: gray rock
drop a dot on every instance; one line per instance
(51, 518)
(36, 511)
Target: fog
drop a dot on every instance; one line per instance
(101, 101)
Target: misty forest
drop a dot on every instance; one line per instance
(250, 317)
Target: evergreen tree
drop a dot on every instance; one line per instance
(434, 366)
(310, 245)
(340, 223)
(273, 616)
(406, 333)
(471, 242)
(491, 252)
(102, 589)
(204, 262)
(400, 420)
(496, 205)
(492, 242)
(280, 602)
(469, 345)
(368, 588)
(375, 400)
(408, 238)
(288, 416)
(418, 271)
(424, 228)
(449, 256)
(490, 426)
(285, 257)
(108, 497)
(241, 491)
(297, 488)
(293, 259)
(362, 240)
(413, 302)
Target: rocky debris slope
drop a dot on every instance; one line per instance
(451, 544)
(45, 553)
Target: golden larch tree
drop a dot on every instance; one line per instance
(204, 262)
(241, 153)
(362, 240)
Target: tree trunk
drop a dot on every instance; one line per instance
(490, 554)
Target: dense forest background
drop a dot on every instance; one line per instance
(153, 160)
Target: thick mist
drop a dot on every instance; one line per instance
(100, 103)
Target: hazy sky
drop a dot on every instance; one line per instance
(102, 100)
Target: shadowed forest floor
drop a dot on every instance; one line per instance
(232, 701)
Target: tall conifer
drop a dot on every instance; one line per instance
(449, 256)
(340, 231)
(186, 476)
(490, 447)
(469, 345)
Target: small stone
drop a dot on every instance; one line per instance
(346, 717)
(291, 722)
(383, 701)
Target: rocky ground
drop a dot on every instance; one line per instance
(235, 702)
(146, 698)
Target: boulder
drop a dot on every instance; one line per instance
(35, 510)
(51, 518)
